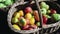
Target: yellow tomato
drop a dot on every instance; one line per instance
(17, 15)
(32, 21)
(28, 16)
(16, 27)
(21, 13)
(14, 20)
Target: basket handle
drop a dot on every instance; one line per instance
(20, 1)
(24, 1)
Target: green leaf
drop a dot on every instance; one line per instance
(8, 2)
(2, 0)
(2, 5)
(48, 16)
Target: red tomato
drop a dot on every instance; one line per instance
(25, 27)
(45, 19)
(53, 11)
(28, 22)
(36, 15)
(30, 28)
(33, 26)
(28, 10)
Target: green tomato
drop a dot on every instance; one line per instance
(8, 2)
(48, 11)
(15, 20)
(43, 10)
(22, 22)
(47, 7)
(56, 17)
(38, 23)
(43, 4)
(2, 5)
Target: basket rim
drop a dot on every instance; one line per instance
(19, 31)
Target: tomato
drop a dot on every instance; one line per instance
(16, 27)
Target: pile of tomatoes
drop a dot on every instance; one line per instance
(29, 19)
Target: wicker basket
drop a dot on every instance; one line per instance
(47, 28)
